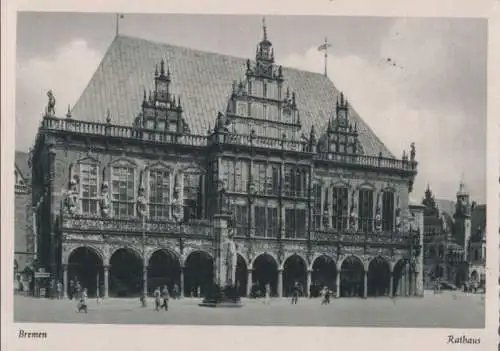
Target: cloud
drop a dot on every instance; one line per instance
(67, 71)
(400, 105)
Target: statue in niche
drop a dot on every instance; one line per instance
(378, 220)
(353, 219)
(142, 208)
(444, 225)
(51, 104)
(72, 197)
(398, 219)
(105, 201)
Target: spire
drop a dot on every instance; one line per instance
(68, 114)
(162, 67)
(264, 29)
(462, 190)
(156, 70)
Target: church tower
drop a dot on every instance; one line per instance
(463, 218)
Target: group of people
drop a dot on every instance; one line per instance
(161, 298)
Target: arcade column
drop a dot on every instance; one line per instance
(106, 281)
(65, 281)
(337, 283)
(308, 283)
(391, 282)
(181, 288)
(280, 282)
(249, 282)
(365, 284)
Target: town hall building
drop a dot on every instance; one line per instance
(131, 181)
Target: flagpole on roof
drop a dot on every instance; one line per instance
(324, 47)
(119, 16)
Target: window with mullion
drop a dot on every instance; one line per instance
(159, 194)
(365, 210)
(388, 211)
(339, 210)
(272, 222)
(316, 224)
(123, 191)
(88, 188)
(192, 195)
(241, 219)
(260, 221)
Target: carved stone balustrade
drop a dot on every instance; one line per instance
(113, 226)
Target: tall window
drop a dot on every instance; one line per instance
(339, 210)
(88, 188)
(266, 222)
(365, 210)
(123, 191)
(192, 195)
(296, 181)
(240, 216)
(295, 223)
(316, 224)
(388, 211)
(266, 178)
(159, 193)
(235, 174)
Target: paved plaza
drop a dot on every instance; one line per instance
(448, 310)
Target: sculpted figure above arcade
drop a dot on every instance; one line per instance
(105, 201)
(71, 200)
(142, 207)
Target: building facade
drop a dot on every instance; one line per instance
(135, 180)
(454, 239)
(24, 241)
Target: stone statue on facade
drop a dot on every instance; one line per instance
(71, 200)
(105, 201)
(231, 259)
(51, 104)
(412, 152)
(398, 219)
(378, 220)
(142, 207)
(353, 219)
(444, 225)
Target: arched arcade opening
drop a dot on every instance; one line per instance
(164, 269)
(352, 277)
(198, 273)
(85, 267)
(324, 273)
(294, 272)
(125, 273)
(265, 271)
(241, 276)
(379, 277)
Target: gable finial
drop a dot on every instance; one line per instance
(68, 114)
(156, 70)
(162, 67)
(108, 116)
(264, 28)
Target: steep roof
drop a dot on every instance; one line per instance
(21, 163)
(203, 81)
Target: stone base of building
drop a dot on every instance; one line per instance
(226, 297)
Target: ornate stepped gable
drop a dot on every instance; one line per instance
(161, 111)
(258, 105)
(205, 82)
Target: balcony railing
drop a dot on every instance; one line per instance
(360, 237)
(110, 130)
(163, 137)
(136, 225)
(368, 161)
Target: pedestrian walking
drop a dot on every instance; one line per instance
(268, 293)
(71, 289)
(157, 295)
(82, 304)
(295, 293)
(165, 296)
(59, 290)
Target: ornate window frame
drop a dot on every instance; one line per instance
(161, 166)
(128, 163)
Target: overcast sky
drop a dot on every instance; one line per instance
(435, 95)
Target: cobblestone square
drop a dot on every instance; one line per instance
(448, 310)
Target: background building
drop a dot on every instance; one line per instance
(163, 138)
(24, 241)
(454, 239)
